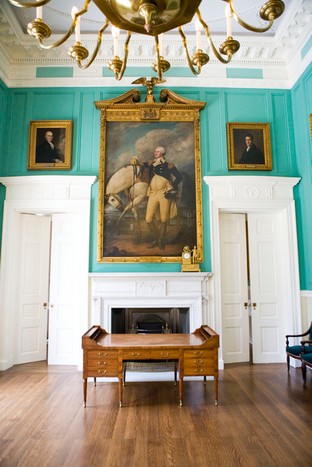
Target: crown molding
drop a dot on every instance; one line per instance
(278, 57)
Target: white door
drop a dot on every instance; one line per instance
(234, 288)
(64, 321)
(33, 289)
(268, 266)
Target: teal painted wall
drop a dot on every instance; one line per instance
(302, 108)
(222, 105)
(3, 112)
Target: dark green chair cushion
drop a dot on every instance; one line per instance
(307, 358)
(296, 350)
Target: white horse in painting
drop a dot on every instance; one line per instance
(127, 180)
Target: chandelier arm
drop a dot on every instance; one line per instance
(69, 32)
(159, 70)
(29, 4)
(58, 43)
(189, 61)
(242, 23)
(97, 47)
(215, 51)
(119, 75)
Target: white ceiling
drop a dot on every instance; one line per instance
(57, 15)
(275, 51)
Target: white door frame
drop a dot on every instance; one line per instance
(38, 194)
(249, 194)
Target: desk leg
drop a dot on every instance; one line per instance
(85, 381)
(120, 383)
(181, 390)
(216, 389)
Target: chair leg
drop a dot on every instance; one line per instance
(304, 371)
(288, 362)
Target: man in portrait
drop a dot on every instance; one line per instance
(46, 151)
(164, 179)
(252, 154)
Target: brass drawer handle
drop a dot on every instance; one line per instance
(199, 370)
(102, 354)
(164, 354)
(198, 354)
(102, 372)
(198, 362)
(135, 354)
(102, 363)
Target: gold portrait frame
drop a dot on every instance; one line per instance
(40, 156)
(260, 157)
(128, 128)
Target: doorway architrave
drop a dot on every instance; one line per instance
(44, 195)
(254, 194)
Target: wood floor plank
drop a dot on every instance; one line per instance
(263, 419)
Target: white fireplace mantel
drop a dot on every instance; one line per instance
(150, 290)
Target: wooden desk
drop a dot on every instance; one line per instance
(105, 354)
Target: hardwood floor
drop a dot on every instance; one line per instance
(264, 418)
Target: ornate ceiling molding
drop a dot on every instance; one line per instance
(20, 54)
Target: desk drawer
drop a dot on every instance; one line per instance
(136, 354)
(165, 354)
(197, 354)
(101, 354)
(102, 372)
(103, 363)
(204, 367)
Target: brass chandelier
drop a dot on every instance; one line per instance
(152, 18)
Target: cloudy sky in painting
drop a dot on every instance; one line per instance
(125, 140)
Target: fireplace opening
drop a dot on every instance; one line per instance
(151, 324)
(150, 320)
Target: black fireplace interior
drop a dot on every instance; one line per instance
(150, 320)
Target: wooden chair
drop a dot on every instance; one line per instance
(295, 351)
(306, 358)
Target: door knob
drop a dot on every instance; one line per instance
(254, 305)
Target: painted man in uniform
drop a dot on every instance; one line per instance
(163, 177)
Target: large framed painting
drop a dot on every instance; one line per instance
(249, 146)
(150, 191)
(50, 145)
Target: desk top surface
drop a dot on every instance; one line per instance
(96, 336)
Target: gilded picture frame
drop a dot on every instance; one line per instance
(130, 131)
(249, 146)
(50, 145)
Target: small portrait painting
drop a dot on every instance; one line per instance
(249, 146)
(50, 145)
